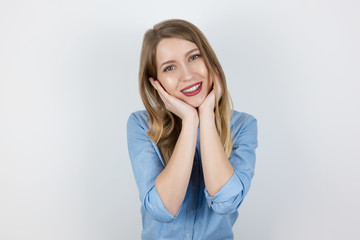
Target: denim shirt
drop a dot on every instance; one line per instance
(200, 216)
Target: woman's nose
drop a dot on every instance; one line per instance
(187, 73)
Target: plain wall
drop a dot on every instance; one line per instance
(68, 82)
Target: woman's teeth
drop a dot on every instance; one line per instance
(192, 88)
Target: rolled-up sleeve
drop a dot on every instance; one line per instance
(242, 158)
(147, 165)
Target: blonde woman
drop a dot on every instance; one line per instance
(193, 157)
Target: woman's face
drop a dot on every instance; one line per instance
(182, 71)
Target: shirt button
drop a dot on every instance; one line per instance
(191, 211)
(194, 188)
(188, 235)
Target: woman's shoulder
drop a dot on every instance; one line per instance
(140, 114)
(240, 120)
(238, 117)
(139, 117)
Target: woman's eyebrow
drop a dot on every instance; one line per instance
(170, 61)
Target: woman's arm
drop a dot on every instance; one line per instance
(216, 166)
(147, 165)
(173, 181)
(227, 180)
(242, 159)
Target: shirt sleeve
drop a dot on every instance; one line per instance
(242, 159)
(146, 164)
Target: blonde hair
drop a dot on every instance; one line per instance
(165, 126)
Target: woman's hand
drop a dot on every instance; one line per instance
(175, 105)
(208, 105)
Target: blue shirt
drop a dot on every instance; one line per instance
(200, 215)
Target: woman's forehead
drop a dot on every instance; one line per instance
(169, 48)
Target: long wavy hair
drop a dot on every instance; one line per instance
(165, 126)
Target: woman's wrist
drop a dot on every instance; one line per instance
(191, 119)
(206, 115)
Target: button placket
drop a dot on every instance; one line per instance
(193, 199)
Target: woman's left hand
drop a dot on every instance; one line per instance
(208, 105)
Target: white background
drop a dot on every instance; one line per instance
(68, 82)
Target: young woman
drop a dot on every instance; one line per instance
(193, 157)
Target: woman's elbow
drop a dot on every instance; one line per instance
(155, 208)
(228, 207)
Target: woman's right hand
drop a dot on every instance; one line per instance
(178, 107)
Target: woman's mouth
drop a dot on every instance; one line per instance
(192, 90)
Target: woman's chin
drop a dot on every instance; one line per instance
(196, 103)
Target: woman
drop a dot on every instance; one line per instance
(193, 157)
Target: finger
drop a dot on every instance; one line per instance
(157, 85)
(160, 89)
(219, 89)
(152, 81)
(165, 97)
(212, 91)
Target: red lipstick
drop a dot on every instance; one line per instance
(193, 93)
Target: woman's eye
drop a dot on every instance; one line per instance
(195, 57)
(168, 68)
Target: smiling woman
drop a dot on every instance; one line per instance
(185, 75)
(193, 157)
